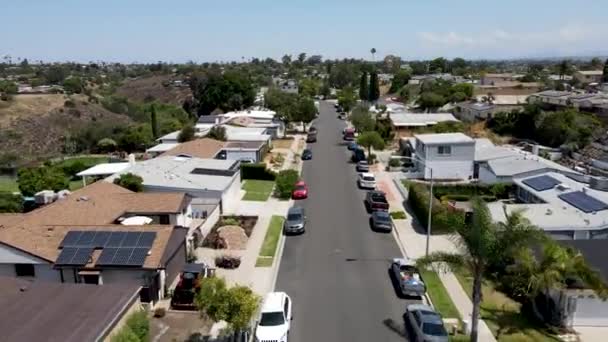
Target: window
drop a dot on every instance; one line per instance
(164, 219)
(25, 270)
(444, 150)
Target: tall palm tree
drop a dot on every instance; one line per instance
(373, 52)
(482, 243)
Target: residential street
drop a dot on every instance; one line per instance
(337, 272)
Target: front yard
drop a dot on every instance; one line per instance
(271, 241)
(439, 295)
(503, 315)
(257, 190)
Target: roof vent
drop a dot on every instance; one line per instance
(549, 211)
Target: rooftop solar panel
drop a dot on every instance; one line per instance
(583, 202)
(70, 239)
(131, 239)
(146, 239)
(541, 183)
(82, 256)
(66, 256)
(107, 255)
(138, 257)
(122, 256)
(101, 238)
(115, 239)
(86, 239)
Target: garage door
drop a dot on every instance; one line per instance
(590, 311)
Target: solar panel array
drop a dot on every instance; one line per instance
(119, 248)
(583, 202)
(541, 183)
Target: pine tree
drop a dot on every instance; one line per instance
(154, 121)
(364, 87)
(605, 76)
(374, 87)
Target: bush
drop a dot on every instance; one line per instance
(130, 181)
(227, 262)
(125, 335)
(398, 215)
(256, 171)
(500, 190)
(140, 325)
(394, 162)
(230, 221)
(10, 203)
(443, 219)
(285, 183)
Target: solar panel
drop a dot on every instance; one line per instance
(70, 239)
(122, 256)
(107, 255)
(101, 238)
(82, 256)
(541, 183)
(115, 239)
(146, 239)
(66, 256)
(583, 201)
(86, 239)
(138, 257)
(131, 239)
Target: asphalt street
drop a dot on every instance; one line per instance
(337, 272)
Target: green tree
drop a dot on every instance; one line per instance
(371, 140)
(459, 63)
(364, 87)
(301, 58)
(362, 119)
(33, 180)
(73, 85)
(466, 88)
(325, 90)
(373, 52)
(153, 121)
(286, 59)
(139, 323)
(107, 145)
(130, 181)
(10, 203)
(483, 243)
(564, 68)
(306, 111)
(458, 97)
(374, 87)
(438, 65)
(596, 63)
(8, 87)
(347, 98)
(431, 101)
(605, 74)
(309, 87)
(285, 183)
(55, 74)
(135, 138)
(186, 134)
(400, 79)
(343, 75)
(231, 90)
(217, 133)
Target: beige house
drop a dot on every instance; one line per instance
(588, 76)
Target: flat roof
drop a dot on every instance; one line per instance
(591, 72)
(162, 147)
(170, 136)
(419, 119)
(523, 162)
(486, 150)
(35, 311)
(244, 145)
(444, 138)
(104, 169)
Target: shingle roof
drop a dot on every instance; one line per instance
(199, 148)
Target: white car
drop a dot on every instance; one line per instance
(275, 318)
(367, 180)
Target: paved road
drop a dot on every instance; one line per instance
(337, 272)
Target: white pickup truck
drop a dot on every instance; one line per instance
(408, 277)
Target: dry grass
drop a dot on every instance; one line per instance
(282, 143)
(23, 106)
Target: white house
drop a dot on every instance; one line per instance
(234, 133)
(449, 155)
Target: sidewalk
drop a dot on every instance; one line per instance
(414, 245)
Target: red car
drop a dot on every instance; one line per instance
(300, 191)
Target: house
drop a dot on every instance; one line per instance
(403, 122)
(204, 148)
(508, 88)
(212, 179)
(588, 102)
(449, 155)
(520, 164)
(494, 79)
(588, 76)
(38, 310)
(252, 151)
(235, 133)
(161, 148)
(171, 138)
(483, 109)
(552, 97)
(84, 237)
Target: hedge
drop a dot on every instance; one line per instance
(444, 220)
(499, 190)
(257, 171)
(285, 183)
(466, 198)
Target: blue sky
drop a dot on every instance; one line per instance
(204, 30)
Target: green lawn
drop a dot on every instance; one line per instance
(271, 240)
(502, 314)
(257, 190)
(439, 295)
(8, 184)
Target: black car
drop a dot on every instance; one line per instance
(381, 221)
(306, 154)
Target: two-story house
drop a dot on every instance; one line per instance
(450, 155)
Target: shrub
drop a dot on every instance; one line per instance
(230, 221)
(398, 215)
(500, 190)
(394, 162)
(140, 325)
(125, 335)
(10, 203)
(228, 262)
(285, 183)
(69, 104)
(214, 240)
(443, 219)
(130, 181)
(256, 171)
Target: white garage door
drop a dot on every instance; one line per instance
(591, 311)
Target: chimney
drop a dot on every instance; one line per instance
(131, 159)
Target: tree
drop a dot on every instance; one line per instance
(459, 63)
(362, 119)
(286, 59)
(107, 145)
(153, 121)
(364, 87)
(73, 85)
(605, 74)
(55, 74)
(347, 98)
(186, 134)
(483, 243)
(217, 133)
(130, 181)
(10, 203)
(315, 60)
(33, 180)
(285, 183)
(374, 87)
(8, 87)
(231, 90)
(301, 58)
(373, 52)
(438, 65)
(305, 110)
(564, 68)
(400, 79)
(596, 63)
(429, 100)
(369, 140)
(325, 90)
(135, 138)
(308, 87)
(466, 88)
(343, 75)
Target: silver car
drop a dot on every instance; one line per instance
(427, 325)
(295, 222)
(362, 166)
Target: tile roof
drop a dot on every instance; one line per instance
(199, 148)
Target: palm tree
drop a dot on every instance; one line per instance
(483, 243)
(373, 51)
(564, 68)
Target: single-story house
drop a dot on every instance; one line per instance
(236, 133)
(492, 79)
(215, 179)
(103, 170)
(480, 110)
(521, 164)
(204, 148)
(46, 311)
(244, 150)
(403, 122)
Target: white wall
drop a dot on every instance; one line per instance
(211, 220)
(231, 196)
(457, 165)
(184, 219)
(10, 256)
(241, 155)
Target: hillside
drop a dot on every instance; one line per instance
(149, 88)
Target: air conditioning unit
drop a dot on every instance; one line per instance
(563, 187)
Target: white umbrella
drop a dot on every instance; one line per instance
(136, 221)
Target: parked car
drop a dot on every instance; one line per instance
(427, 325)
(362, 166)
(381, 221)
(376, 201)
(295, 222)
(351, 146)
(408, 276)
(306, 154)
(349, 134)
(311, 137)
(300, 190)
(358, 155)
(312, 129)
(275, 318)
(366, 180)
(188, 285)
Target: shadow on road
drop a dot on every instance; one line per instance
(396, 327)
